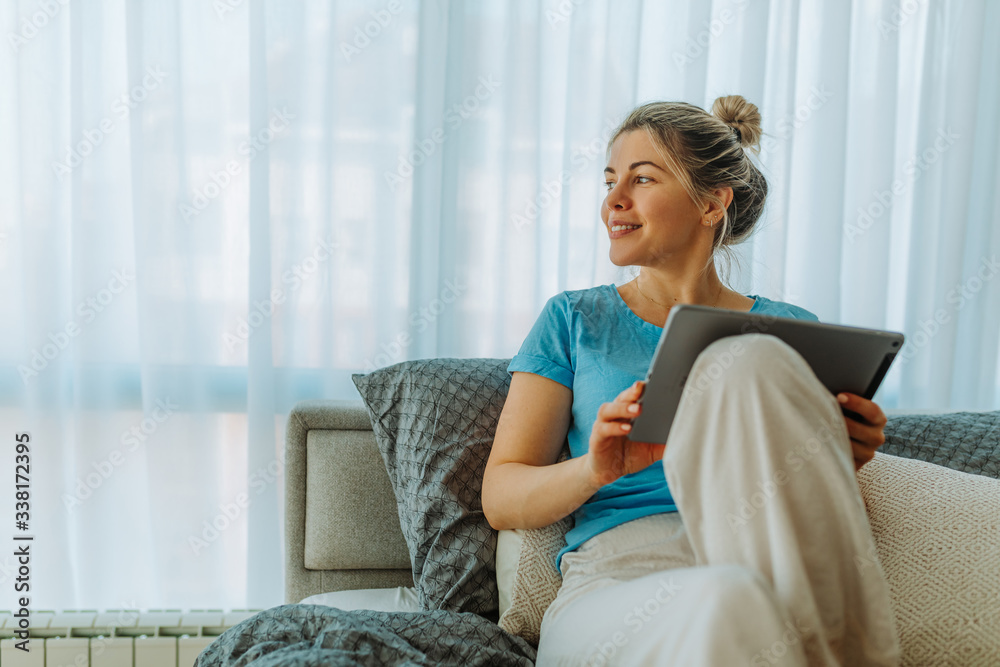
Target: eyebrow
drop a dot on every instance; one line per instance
(634, 165)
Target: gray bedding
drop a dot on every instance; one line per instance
(301, 635)
(964, 441)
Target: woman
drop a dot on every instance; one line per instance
(734, 542)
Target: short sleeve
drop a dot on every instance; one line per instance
(802, 314)
(546, 349)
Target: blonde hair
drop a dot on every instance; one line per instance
(707, 151)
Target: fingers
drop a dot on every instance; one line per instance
(612, 429)
(614, 419)
(633, 393)
(871, 437)
(865, 441)
(625, 406)
(868, 436)
(862, 454)
(613, 412)
(870, 410)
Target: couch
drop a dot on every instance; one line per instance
(343, 530)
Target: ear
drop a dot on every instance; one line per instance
(713, 210)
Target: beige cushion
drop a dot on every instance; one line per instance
(536, 580)
(937, 535)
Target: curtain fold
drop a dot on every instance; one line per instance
(211, 211)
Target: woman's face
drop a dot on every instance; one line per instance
(642, 192)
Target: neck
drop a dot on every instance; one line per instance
(663, 289)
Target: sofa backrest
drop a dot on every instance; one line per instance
(342, 529)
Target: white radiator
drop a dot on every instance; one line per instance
(116, 638)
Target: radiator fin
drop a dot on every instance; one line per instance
(114, 638)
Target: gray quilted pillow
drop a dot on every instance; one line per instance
(965, 441)
(434, 422)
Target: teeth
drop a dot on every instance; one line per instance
(618, 228)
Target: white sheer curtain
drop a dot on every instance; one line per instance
(212, 210)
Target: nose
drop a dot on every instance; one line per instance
(617, 198)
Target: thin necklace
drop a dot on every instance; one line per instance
(669, 307)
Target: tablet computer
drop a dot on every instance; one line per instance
(844, 358)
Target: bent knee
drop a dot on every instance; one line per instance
(745, 356)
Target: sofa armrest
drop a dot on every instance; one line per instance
(341, 522)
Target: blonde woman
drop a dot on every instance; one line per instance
(736, 541)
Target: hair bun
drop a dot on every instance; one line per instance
(741, 115)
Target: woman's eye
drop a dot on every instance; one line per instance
(608, 185)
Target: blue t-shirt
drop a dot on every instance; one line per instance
(590, 341)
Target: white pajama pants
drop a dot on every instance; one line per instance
(760, 566)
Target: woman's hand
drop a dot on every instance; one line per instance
(612, 454)
(867, 435)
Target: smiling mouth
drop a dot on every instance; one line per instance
(622, 228)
